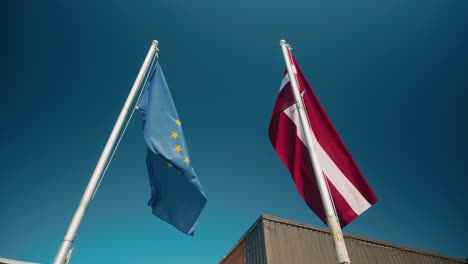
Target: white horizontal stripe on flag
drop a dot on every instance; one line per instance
(353, 197)
(284, 81)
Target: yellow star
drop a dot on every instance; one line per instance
(169, 165)
(177, 122)
(187, 160)
(174, 135)
(177, 148)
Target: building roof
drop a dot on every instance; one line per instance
(294, 242)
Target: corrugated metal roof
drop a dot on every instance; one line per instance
(255, 244)
(292, 242)
(273, 240)
(288, 243)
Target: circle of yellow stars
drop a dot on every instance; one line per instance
(177, 148)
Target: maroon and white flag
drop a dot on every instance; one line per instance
(349, 189)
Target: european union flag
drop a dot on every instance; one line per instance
(177, 196)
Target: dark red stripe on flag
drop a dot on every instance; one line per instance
(289, 147)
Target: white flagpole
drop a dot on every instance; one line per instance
(332, 219)
(64, 249)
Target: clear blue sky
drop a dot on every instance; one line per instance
(392, 76)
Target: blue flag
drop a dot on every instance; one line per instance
(177, 196)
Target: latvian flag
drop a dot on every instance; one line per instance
(350, 192)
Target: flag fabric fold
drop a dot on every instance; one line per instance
(177, 196)
(350, 191)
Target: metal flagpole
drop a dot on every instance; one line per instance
(332, 219)
(64, 249)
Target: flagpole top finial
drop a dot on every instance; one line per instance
(155, 44)
(282, 42)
